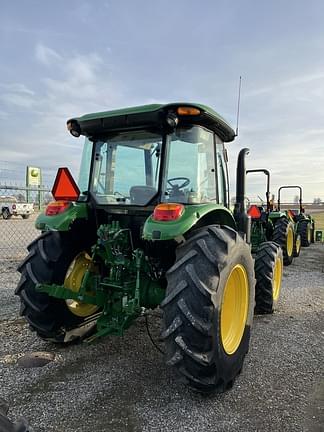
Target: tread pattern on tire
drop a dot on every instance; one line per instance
(47, 261)
(189, 309)
(265, 260)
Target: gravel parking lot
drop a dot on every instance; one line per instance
(122, 384)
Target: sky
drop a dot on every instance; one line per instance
(62, 59)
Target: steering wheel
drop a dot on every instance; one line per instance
(185, 182)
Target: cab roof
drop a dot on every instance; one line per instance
(153, 115)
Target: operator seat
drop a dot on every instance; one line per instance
(177, 195)
(141, 195)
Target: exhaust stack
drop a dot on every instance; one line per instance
(242, 219)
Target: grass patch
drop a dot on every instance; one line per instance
(319, 220)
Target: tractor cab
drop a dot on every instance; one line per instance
(140, 168)
(154, 154)
(139, 158)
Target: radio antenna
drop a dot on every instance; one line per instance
(238, 107)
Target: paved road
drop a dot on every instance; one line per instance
(122, 384)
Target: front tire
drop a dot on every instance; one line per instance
(50, 256)
(283, 234)
(305, 231)
(268, 273)
(208, 308)
(6, 214)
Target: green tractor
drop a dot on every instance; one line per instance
(269, 253)
(148, 225)
(273, 225)
(304, 223)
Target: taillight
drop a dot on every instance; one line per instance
(254, 212)
(13, 206)
(168, 212)
(57, 207)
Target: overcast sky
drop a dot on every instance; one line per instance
(61, 59)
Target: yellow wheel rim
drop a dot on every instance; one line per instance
(277, 276)
(234, 309)
(308, 233)
(73, 280)
(290, 241)
(298, 244)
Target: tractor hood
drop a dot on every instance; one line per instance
(149, 116)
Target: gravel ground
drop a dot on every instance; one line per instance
(122, 384)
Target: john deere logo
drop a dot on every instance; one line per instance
(33, 176)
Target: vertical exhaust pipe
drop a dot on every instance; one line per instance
(242, 219)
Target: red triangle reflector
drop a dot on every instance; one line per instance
(65, 187)
(254, 212)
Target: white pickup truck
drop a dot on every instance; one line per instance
(9, 206)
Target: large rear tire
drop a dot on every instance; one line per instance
(283, 234)
(208, 308)
(268, 273)
(49, 259)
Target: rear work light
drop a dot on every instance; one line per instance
(168, 212)
(57, 207)
(74, 128)
(254, 212)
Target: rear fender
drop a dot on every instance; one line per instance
(62, 221)
(275, 215)
(194, 216)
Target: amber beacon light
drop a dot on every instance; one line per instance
(188, 111)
